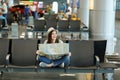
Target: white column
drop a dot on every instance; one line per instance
(102, 22)
(55, 7)
(68, 1)
(84, 12)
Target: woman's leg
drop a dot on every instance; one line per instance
(5, 15)
(67, 61)
(64, 59)
(44, 59)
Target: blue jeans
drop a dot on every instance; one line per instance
(5, 15)
(35, 15)
(64, 59)
(3, 20)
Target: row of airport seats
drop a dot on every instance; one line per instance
(63, 26)
(87, 56)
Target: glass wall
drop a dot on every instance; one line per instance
(118, 5)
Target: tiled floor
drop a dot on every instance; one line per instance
(43, 76)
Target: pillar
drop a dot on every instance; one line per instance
(83, 12)
(102, 22)
(55, 7)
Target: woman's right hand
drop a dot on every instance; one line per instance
(38, 52)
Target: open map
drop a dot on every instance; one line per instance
(54, 49)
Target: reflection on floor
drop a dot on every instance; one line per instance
(43, 76)
(54, 76)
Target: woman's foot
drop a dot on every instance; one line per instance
(42, 64)
(61, 65)
(50, 65)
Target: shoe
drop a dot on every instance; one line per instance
(5, 28)
(61, 65)
(42, 64)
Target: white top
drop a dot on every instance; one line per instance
(33, 8)
(45, 42)
(70, 9)
(4, 6)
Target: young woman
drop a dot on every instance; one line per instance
(55, 61)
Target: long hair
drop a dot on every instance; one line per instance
(50, 37)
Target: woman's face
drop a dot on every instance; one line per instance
(54, 35)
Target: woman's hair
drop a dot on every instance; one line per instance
(50, 37)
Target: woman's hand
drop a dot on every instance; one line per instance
(37, 52)
(69, 54)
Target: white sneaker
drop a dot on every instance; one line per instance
(61, 65)
(42, 64)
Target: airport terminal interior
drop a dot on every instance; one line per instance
(81, 21)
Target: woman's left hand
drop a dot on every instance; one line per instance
(69, 54)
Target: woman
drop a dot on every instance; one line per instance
(54, 61)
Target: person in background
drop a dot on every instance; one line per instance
(2, 18)
(33, 10)
(65, 17)
(63, 7)
(54, 61)
(69, 9)
(60, 15)
(68, 13)
(20, 17)
(4, 10)
(26, 13)
(15, 16)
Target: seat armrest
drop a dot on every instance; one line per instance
(37, 61)
(97, 61)
(37, 56)
(7, 59)
(106, 60)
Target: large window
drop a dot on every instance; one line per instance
(118, 5)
